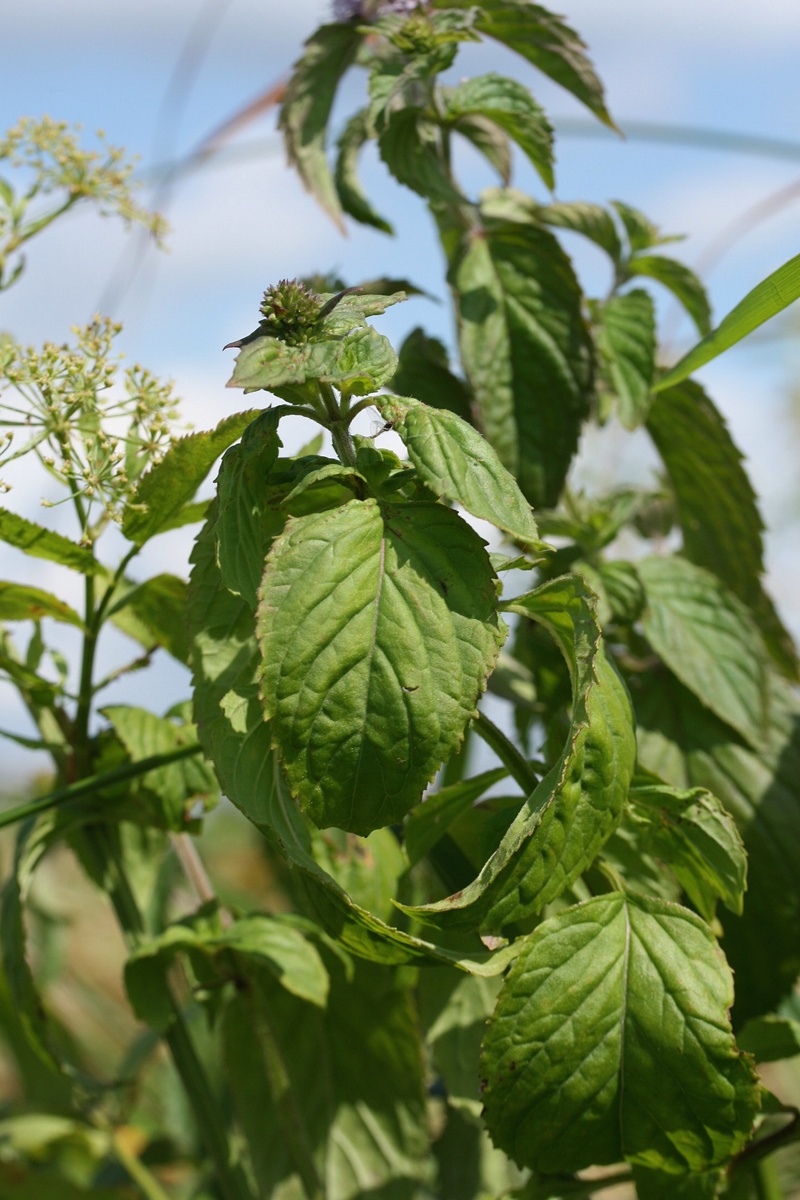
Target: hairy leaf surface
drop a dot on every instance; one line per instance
(236, 737)
(154, 613)
(611, 1040)
(706, 637)
(351, 196)
(363, 717)
(459, 465)
(248, 516)
(45, 543)
(19, 602)
(510, 105)
(307, 107)
(684, 743)
(680, 280)
(717, 506)
(626, 338)
(544, 40)
(164, 490)
(694, 834)
(524, 344)
(564, 822)
(274, 942)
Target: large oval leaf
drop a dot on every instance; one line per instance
(378, 630)
(524, 343)
(611, 1040)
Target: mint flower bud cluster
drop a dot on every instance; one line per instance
(290, 311)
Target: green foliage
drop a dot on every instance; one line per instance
(459, 979)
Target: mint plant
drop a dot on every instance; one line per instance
(478, 982)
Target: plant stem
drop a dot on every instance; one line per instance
(230, 1175)
(146, 1182)
(85, 787)
(518, 766)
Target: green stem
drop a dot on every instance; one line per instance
(518, 766)
(230, 1176)
(283, 1097)
(146, 1182)
(85, 690)
(86, 787)
(338, 421)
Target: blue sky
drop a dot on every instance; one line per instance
(236, 228)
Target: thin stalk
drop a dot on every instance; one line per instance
(518, 766)
(146, 1182)
(230, 1175)
(85, 787)
(85, 690)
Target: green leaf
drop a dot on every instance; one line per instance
(423, 370)
(660, 1185)
(358, 360)
(717, 506)
(307, 104)
(411, 146)
(18, 602)
(272, 941)
(590, 220)
(489, 139)
(167, 487)
(364, 718)
(611, 1040)
(351, 197)
(768, 298)
(469, 1167)
(44, 543)
(524, 344)
(770, 1038)
(626, 338)
(454, 1008)
(154, 612)
(354, 1072)
(640, 231)
(232, 729)
(248, 512)
(707, 638)
(545, 40)
(684, 743)
(510, 105)
(681, 281)
(564, 822)
(428, 822)
(367, 869)
(623, 590)
(694, 834)
(459, 465)
(164, 796)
